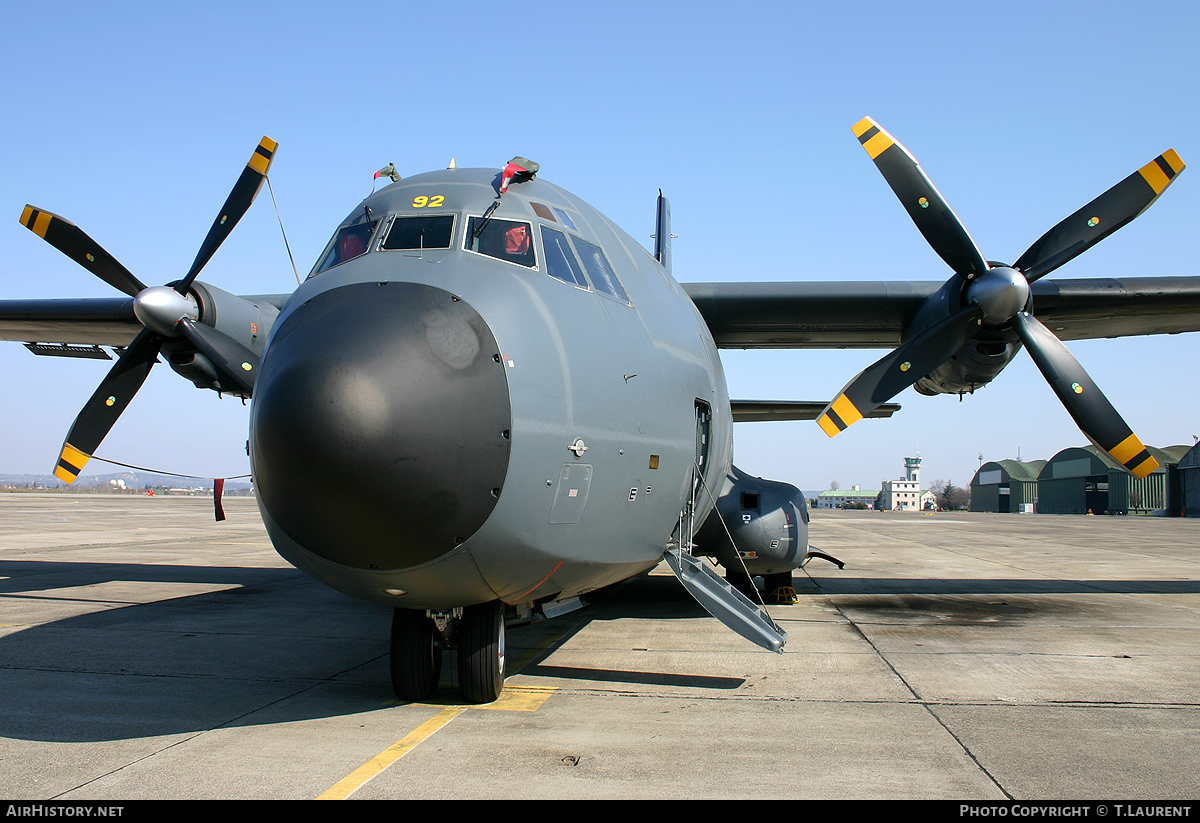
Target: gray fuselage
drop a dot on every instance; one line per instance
(436, 427)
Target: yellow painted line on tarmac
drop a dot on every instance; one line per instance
(364, 773)
(520, 699)
(512, 699)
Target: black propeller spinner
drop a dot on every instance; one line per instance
(166, 312)
(997, 297)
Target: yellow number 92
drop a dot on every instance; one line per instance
(423, 202)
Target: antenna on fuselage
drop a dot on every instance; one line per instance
(662, 232)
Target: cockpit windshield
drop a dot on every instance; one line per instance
(348, 243)
(422, 232)
(504, 239)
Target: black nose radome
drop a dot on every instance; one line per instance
(379, 432)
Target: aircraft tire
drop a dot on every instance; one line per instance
(481, 652)
(416, 655)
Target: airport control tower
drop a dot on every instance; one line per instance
(912, 470)
(904, 494)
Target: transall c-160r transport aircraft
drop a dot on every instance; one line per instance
(486, 400)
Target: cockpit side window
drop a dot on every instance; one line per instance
(348, 243)
(565, 219)
(509, 240)
(601, 272)
(423, 232)
(560, 261)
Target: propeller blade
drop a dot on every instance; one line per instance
(239, 200)
(74, 243)
(899, 369)
(105, 406)
(1091, 410)
(235, 362)
(924, 203)
(1101, 217)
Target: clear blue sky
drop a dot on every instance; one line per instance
(134, 119)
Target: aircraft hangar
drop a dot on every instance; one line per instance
(1083, 479)
(1079, 480)
(1187, 483)
(1005, 486)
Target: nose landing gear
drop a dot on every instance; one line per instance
(475, 632)
(416, 655)
(480, 644)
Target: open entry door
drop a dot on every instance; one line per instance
(717, 597)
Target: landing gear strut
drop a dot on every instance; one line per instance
(476, 634)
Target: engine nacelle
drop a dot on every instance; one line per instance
(759, 524)
(248, 321)
(987, 349)
(974, 365)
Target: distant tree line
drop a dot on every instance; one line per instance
(950, 496)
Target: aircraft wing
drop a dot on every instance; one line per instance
(101, 321)
(105, 321)
(868, 315)
(785, 315)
